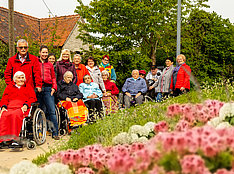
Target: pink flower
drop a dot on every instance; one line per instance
(161, 126)
(85, 170)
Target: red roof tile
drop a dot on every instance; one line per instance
(38, 29)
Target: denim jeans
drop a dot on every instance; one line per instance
(159, 97)
(48, 106)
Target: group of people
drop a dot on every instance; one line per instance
(72, 84)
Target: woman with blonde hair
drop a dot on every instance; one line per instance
(64, 64)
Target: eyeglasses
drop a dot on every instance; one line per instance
(142, 74)
(106, 60)
(87, 78)
(23, 48)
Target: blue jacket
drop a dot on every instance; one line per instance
(134, 86)
(89, 89)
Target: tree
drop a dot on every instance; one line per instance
(4, 54)
(208, 42)
(143, 24)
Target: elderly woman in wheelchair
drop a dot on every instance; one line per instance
(92, 95)
(15, 104)
(70, 99)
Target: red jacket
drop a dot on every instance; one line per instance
(183, 77)
(30, 67)
(111, 86)
(25, 94)
(81, 71)
(48, 74)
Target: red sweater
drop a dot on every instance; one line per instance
(81, 71)
(48, 74)
(183, 77)
(30, 67)
(25, 94)
(111, 86)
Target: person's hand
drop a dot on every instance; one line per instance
(75, 99)
(138, 94)
(128, 94)
(182, 89)
(1, 111)
(24, 108)
(95, 95)
(151, 87)
(52, 91)
(38, 89)
(68, 99)
(108, 94)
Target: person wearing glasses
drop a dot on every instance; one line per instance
(105, 65)
(25, 62)
(64, 64)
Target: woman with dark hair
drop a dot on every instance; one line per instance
(46, 96)
(51, 58)
(95, 73)
(163, 88)
(180, 79)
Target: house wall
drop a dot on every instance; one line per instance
(74, 44)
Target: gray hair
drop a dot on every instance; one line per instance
(21, 41)
(67, 73)
(135, 70)
(61, 55)
(17, 74)
(105, 73)
(78, 55)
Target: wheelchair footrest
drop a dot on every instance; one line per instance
(15, 145)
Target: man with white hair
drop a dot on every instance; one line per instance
(134, 88)
(25, 62)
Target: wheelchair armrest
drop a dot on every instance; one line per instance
(35, 104)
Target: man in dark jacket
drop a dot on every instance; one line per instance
(25, 62)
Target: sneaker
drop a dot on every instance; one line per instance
(56, 138)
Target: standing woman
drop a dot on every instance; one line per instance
(81, 70)
(45, 97)
(105, 65)
(163, 88)
(64, 64)
(95, 73)
(180, 79)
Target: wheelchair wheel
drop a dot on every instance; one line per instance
(39, 126)
(57, 113)
(31, 145)
(148, 99)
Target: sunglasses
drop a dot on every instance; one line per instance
(23, 48)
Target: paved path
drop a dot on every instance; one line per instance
(10, 157)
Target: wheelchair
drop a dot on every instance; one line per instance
(64, 122)
(33, 131)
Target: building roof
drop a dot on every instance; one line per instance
(43, 30)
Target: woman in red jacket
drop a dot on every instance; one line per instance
(49, 86)
(15, 104)
(110, 96)
(81, 70)
(180, 79)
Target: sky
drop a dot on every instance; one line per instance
(37, 8)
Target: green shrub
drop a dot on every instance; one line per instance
(2, 87)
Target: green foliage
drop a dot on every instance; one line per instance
(223, 160)
(170, 162)
(208, 43)
(2, 87)
(4, 54)
(128, 24)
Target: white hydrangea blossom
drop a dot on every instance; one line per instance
(121, 138)
(134, 138)
(140, 130)
(57, 168)
(142, 140)
(223, 125)
(214, 122)
(25, 167)
(150, 126)
(226, 111)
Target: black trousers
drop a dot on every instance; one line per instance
(95, 108)
(178, 92)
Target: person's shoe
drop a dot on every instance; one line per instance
(56, 137)
(15, 145)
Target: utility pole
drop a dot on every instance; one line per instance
(178, 28)
(11, 28)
